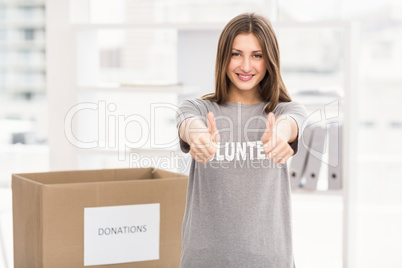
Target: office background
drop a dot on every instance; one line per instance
(130, 55)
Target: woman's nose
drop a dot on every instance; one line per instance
(246, 65)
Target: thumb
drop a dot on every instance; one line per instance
(266, 137)
(271, 121)
(212, 127)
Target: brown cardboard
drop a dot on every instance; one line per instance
(48, 212)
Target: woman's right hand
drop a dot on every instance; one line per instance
(203, 145)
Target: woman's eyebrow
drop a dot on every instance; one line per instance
(255, 51)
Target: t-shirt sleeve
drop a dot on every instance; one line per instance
(298, 112)
(187, 109)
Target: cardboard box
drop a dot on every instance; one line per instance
(49, 210)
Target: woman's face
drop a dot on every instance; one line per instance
(246, 68)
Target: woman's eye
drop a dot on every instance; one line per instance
(235, 54)
(258, 56)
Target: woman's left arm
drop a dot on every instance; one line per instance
(279, 133)
(287, 128)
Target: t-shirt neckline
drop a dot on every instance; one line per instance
(236, 104)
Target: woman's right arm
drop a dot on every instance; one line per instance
(201, 138)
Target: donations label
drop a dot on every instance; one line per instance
(121, 234)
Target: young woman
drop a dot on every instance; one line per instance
(240, 137)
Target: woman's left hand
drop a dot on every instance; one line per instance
(275, 143)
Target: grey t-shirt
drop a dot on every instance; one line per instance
(238, 210)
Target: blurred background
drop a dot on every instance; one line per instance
(94, 84)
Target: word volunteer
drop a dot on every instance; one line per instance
(240, 151)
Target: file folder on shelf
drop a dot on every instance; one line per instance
(298, 162)
(335, 157)
(314, 159)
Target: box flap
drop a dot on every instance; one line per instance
(88, 176)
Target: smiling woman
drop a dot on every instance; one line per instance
(238, 182)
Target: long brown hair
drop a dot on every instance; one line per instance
(272, 87)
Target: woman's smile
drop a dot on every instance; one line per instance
(245, 77)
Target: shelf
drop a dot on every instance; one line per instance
(22, 68)
(22, 24)
(325, 24)
(143, 150)
(380, 158)
(136, 88)
(203, 25)
(312, 77)
(158, 25)
(23, 89)
(24, 148)
(15, 3)
(317, 192)
(23, 46)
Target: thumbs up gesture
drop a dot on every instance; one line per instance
(203, 146)
(275, 144)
